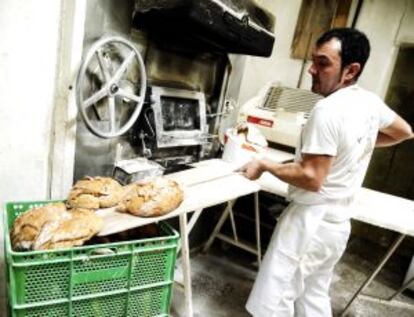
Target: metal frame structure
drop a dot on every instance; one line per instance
(370, 278)
(228, 213)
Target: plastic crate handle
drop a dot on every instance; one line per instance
(100, 275)
(103, 251)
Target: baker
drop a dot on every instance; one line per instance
(330, 164)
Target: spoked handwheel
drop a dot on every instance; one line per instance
(110, 86)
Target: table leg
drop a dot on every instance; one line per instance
(257, 216)
(402, 288)
(185, 258)
(233, 226)
(194, 219)
(384, 260)
(191, 223)
(219, 225)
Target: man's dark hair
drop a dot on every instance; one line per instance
(355, 46)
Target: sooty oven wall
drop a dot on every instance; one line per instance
(167, 62)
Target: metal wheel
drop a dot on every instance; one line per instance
(110, 86)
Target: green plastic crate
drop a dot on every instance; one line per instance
(134, 279)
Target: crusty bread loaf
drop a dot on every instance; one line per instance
(94, 193)
(53, 227)
(82, 226)
(28, 225)
(151, 199)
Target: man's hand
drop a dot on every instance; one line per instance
(252, 170)
(309, 174)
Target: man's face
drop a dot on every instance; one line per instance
(326, 72)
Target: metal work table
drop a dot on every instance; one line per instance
(389, 212)
(204, 186)
(212, 182)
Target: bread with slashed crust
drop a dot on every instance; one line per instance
(54, 227)
(82, 226)
(151, 199)
(28, 225)
(94, 193)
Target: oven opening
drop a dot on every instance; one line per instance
(180, 114)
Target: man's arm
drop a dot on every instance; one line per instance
(308, 174)
(399, 130)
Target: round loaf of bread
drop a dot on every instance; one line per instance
(151, 199)
(53, 227)
(94, 193)
(82, 225)
(27, 226)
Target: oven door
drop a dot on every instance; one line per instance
(180, 116)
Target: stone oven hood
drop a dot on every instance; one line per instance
(230, 26)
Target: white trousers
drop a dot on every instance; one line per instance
(297, 269)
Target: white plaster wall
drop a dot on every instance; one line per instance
(237, 63)
(406, 32)
(279, 66)
(72, 27)
(28, 59)
(387, 23)
(29, 33)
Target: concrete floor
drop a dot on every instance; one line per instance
(222, 280)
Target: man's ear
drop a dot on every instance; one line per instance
(351, 71)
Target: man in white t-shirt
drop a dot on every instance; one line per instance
(331, 160)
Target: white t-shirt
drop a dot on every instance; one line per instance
(343, 125)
